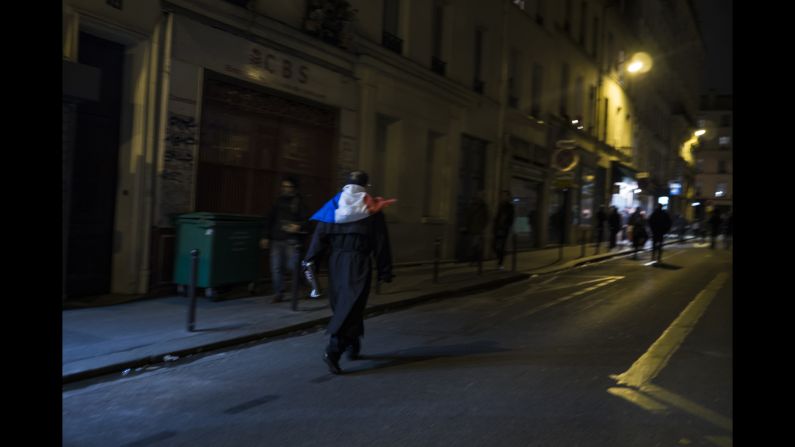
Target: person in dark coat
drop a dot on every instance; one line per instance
(638, 223)
(502, 225)
(681, 227)
(285, 227)
(728, 230)
(660, 223)
(715, 222)
(614, 225)
(477, 217)
(601, 219)
(351, 229)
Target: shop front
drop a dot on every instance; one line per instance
(626, 193)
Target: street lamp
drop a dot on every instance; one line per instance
(639, 63)
(700, 132)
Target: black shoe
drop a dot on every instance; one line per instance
(333, 364)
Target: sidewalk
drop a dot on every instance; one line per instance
(112, 339)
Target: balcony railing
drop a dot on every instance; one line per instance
(392, 42)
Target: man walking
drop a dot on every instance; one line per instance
(502, 226)
(351, 228)
(285, 227)
(614, 224)
(660, 223)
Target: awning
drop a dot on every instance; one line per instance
(619, 170)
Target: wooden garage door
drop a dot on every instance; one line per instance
(251, 139)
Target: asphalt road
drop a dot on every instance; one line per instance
(619, 353)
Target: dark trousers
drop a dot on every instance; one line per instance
(348, 336)
(499, 248)
(657, 247)
(613, 237)
(599, 234)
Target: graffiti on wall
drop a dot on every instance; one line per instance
(178, 164)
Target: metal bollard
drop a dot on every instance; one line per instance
(437, 244)
(194, 269)
(513, 254)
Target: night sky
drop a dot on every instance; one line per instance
(715, 17)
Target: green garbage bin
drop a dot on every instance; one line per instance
(228, 247)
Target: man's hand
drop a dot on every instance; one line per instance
(263, 244)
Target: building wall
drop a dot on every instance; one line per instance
(393, 109)
(139, 29)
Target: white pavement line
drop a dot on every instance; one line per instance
(609, 280)
(656, 357)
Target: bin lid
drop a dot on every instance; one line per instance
(217, 217)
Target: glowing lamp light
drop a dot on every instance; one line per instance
(700, 132)
(639, 63)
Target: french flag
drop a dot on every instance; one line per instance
(350, 205)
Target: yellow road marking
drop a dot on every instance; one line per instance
(656, 357)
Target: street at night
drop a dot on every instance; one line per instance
(397, 223)
(622, 352)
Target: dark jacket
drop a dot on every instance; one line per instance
(286, 210)
(601, 217)
(349, 247)
(660, 222)
(715, 221)
(614, 221)
(504, 219)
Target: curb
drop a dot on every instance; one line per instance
(273, 333)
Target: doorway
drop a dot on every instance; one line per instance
(93, 177)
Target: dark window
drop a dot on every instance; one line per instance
(538, 73)
(721, 166)
(438, 29)
(583, 18)
(725, 121)
(478, 84)
(391, 9)
(540, 12)
(390, 37)
(564, 90)
(567, 18)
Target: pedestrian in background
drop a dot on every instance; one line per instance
(502, 225)
(477, 216)
(715, 222)
(728, 230)
(601, 219)
(637, 223)
(660, 223)
(614, 224)
(285, 228)
(681, 227)
(351, 229)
